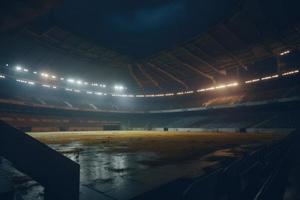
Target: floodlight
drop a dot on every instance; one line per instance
(285, 52)
(119, 87)
(71, 80)
(18, 68)
(45, 75)
(79, 82)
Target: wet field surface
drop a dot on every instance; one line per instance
(111, 170)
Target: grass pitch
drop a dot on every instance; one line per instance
(170, 146)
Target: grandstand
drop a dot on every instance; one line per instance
(149, 100)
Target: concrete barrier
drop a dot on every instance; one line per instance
(58, 174)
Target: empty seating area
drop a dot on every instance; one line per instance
(269, 116)
(43, 97)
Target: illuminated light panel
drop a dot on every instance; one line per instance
(46, 86)
(184, 92)
(232, 84)
(169, 94)
(71, 80)
(120, 95)
(285, 52)
(79, 82)
(211, 88)
(31, 83)
(62, 78)
(270, 77)
(68, 89)
(252, 81)
(206, 89)
(290, 73)
(201, 90)
(98, 93)
(19, 68)
(89, 92)
(101, 85)
(45, 75)
(77, 91)
(216, 88)
(54, 77)
(25, 70)
(159, 95)
(149, 95)
(2, 76)
(189, 92)
(139, 95)
(35, 72)
(54, 87)
(21, 81)
(119, 87)
(221, 86)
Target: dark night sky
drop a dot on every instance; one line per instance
(138, 28)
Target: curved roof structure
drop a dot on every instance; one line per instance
(151, 45)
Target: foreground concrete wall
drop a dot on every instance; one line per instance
(58, 174)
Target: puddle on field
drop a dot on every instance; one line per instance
(98, 162)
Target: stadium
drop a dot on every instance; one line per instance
(144, 100)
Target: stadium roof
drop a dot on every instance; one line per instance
(149, 44)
